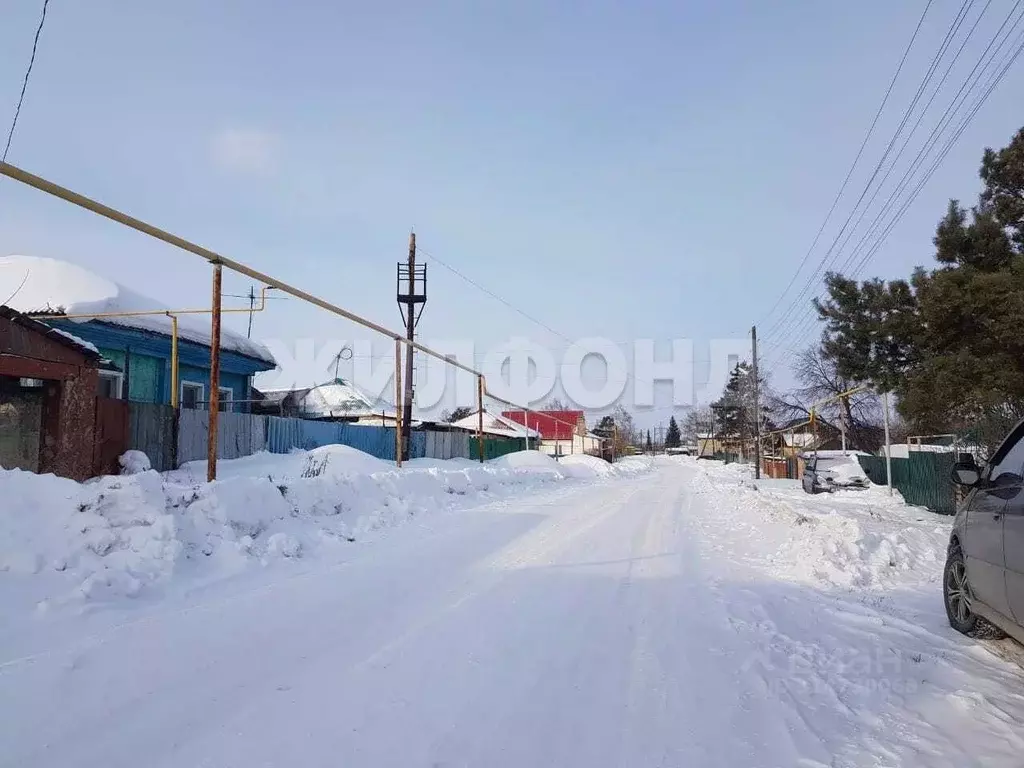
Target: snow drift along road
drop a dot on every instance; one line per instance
(682, 617)
(122, 536)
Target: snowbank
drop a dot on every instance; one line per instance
(847, 539)
(61, 541)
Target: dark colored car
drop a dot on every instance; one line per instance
(984, 574)
(832, 473)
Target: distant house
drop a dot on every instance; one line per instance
(561, 432)
(334, 400)
(495, 425)
(139, 346)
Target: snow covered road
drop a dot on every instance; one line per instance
(668, 619)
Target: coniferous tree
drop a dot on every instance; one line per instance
(672, 436)
(947, 342)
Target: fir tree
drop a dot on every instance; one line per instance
(672, 436)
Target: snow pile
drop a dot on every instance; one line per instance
(110, 536)
(134, 462)
(51, 285)
(117, 535)
(847, 539)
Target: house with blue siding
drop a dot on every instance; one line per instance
(140, 345)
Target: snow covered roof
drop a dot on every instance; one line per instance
(51, 285)
(333, 399)
(495, 424)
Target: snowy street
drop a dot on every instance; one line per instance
(676, 618)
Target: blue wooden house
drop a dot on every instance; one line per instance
(140, 345)
(144, 359)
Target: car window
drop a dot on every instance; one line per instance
(1008, 468)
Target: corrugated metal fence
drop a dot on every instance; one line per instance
(923, 478)
(171, 439)
(494, 447)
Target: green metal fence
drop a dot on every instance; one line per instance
(923, 478)
(494, 447)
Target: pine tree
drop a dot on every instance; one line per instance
(947, 341)
(650, 444)
(672, 437)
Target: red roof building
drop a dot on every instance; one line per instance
(552, 425)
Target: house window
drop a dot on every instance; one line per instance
(111, 384)
(227, 395)
(192, 395)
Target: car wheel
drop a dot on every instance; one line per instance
(956, 593)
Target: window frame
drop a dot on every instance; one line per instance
(200, 401)
(230, 400)
(119, 377)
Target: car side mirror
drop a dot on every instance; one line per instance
(966, 474)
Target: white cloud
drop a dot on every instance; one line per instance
(245, 150)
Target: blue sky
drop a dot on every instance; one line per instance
(645, 170)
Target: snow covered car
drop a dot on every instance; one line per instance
(984, 573)
(828, 472)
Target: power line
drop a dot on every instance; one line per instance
(493, 295)
(853, 166)
(966, 89)
(825, 259)
(24, 84)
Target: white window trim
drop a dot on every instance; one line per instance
(119, 376)
(202, 393)
(230, 399)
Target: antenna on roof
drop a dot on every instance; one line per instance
(341, 356)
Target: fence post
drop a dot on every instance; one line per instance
(888, 445)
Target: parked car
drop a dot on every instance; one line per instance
(984, 574)
(832, 473)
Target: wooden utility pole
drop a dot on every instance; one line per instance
(757, 406)
(214, 398)
(412, 301)
(480, 416)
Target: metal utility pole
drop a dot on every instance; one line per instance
(757, 406)
(252, 307)
(888, 445)
(842, 423)
(412, 296)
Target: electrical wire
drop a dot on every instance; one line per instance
(24, 84)
(968, 87)
(829, 256)
(853, 166)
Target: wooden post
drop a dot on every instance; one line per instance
(214, 398)
(480, 416)
(398, 403)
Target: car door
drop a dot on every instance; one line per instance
(1013, 546)
(983, 534)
